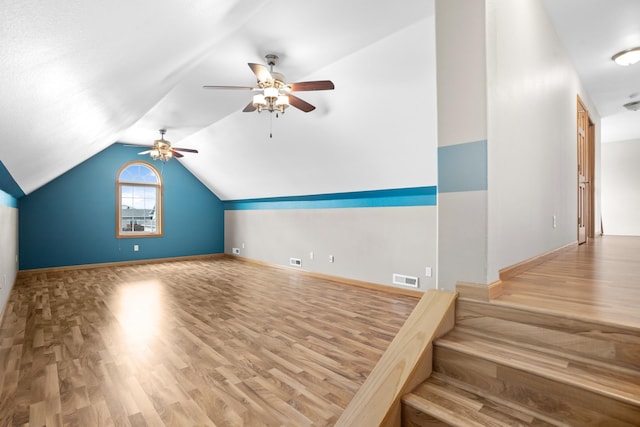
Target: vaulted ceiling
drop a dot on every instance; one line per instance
(78, 76)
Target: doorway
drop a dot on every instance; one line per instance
(586, 154)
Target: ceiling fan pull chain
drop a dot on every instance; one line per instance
(270, 125)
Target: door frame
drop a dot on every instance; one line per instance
(591, 190)
(588, 172)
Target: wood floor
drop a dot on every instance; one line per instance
(561, 347)
(226, 343)
(210, 342)
(599, 280)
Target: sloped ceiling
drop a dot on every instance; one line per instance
(78, 76)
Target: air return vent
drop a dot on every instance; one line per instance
(401, 279)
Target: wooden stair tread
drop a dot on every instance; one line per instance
(624, 387)
(550, 349)
(459, 407)
(557, 316)
(594, 340)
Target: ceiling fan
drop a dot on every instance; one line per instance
(162, 149)
(273, 91)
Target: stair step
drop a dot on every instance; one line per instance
(611, 343)
(561, 387)
(550, 350)
(445, 402)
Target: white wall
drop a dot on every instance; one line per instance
(462, 118)
(378, 134)
(621, 188)
(393, 109)
(368, 244)
(461, 71)
(532, 88)
(8, 250)
(462, 238)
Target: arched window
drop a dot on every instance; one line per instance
(139, 204)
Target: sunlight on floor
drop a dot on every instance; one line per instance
(140, 306)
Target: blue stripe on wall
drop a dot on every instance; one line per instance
(8, 184)
(417, 196)
(462, 167)
(8, 200)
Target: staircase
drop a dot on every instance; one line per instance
(504, 365)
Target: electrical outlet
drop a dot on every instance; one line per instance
(331, 258)
(311, 255)
(242, 245)
(136, 248)
(428, 272)
(555, 221)
(235, 251)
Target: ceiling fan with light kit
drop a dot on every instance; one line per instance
(273, 93)
(162, 149)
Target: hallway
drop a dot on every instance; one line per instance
(599, 280)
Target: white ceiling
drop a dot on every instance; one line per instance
(78, 76)
(593, 31)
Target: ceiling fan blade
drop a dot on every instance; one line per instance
(300, 104)
(261, 72)
(145, 152)
(317, 85)
(230, 87)
(249, 108)
(186, 150)
(176, 154)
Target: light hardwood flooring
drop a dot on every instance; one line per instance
(208, 342)
(599, 280)
(560, 347)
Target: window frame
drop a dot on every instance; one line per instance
(120, 234)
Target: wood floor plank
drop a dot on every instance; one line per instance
(598, 280)
(204, 342)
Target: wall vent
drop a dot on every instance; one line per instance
(235, 251)
(401, 279)
(296, 262)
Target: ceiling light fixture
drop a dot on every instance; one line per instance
(632, 106)
(162, 149)
(272, 97)
(627, 57)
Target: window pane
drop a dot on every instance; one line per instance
(138, 193)
(138, 208)
(138, 173)
(139, 187)
(126, 197)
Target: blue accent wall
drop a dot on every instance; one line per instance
(462, 167)
(8, 200)
(416, 196)
(72, 219)
(8, 184)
